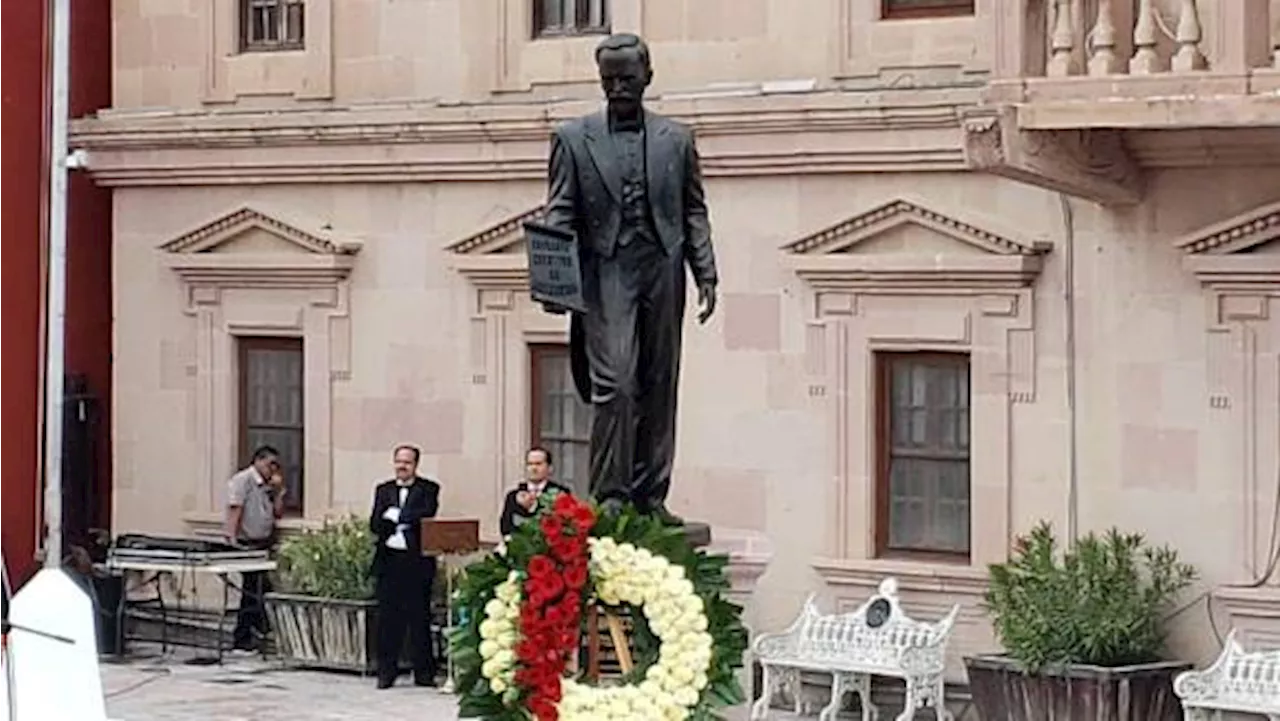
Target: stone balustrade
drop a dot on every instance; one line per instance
(1109, 38)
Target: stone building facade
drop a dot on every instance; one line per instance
(984, 262)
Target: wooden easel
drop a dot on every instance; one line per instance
(618, 637)
(448, 540)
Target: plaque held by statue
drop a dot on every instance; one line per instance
(555, 273)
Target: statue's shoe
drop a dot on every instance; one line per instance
(667, 517)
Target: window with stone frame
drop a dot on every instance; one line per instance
(909, 9)
(270, 25)
(922, 439)
(559, 18)
(560, 421)
(271, 407)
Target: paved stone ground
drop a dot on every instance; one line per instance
(165, 688)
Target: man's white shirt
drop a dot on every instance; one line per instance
(396, 541)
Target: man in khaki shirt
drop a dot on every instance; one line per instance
(255, 499)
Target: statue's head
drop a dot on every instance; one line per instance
(625, 72)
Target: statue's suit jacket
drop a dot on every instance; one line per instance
(584, 196)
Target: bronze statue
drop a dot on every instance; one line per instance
(627, 183)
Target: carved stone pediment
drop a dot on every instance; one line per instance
(1242, 252)
(904, 244)
(494, 258)
(253, 245)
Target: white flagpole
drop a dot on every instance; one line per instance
(56, 302)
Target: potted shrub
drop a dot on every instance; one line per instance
(1083, 631)
(323, 614)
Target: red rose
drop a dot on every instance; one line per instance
(552, 526)
(568, 548)
(527, 651)
(544, 709)
(555, 615)
(549, 689)
(575, 577)
(550, 586)
(564, 504)
(584, 517)
(541, 566)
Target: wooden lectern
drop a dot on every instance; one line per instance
(445, 539)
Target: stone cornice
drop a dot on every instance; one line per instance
(709, 115)
(1239, 233)
(1219, 255)
(320, 260)
(843, 235)
(228, 225)
(738, 136)
(278, 271)
(961, 274)
(829, 259)
(500, 271)
(912, 576)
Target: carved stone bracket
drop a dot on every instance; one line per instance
(1090, 164)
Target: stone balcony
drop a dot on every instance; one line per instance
(1085, 95)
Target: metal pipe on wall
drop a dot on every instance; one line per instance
(1073, 427)
(56, 302)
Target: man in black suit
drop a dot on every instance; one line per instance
(522, 501)
(627, 182)
(403, 575)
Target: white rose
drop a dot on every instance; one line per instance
(489, 629)
(505, 658)
(686, 696)
(488, 649)
(497, 685)
(700, 681)
(682, 674)
(618, 708)
(490, 669)
(495, 609)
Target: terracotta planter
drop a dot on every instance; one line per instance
(1003, 691)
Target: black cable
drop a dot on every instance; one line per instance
(159, 674)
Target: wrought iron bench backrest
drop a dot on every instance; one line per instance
(1249, 677)
(876, 633)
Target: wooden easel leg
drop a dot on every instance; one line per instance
(593, 643)
(619, 637)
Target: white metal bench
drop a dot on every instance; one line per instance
(878, 639)
(1239, 681)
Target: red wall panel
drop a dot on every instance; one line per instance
(22, 191)
(89, 299)
(23, 219)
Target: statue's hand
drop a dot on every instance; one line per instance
(554, 309)
(706, 301)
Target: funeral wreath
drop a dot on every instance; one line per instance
(525, 609)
